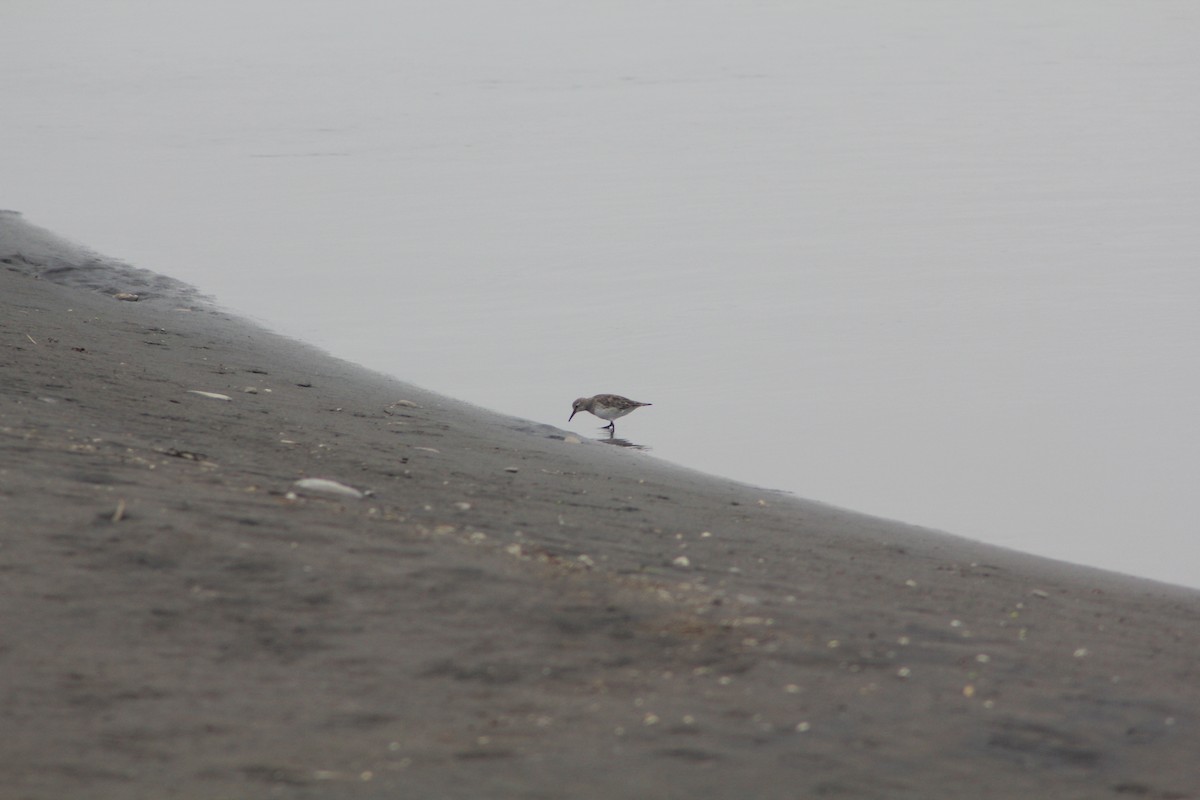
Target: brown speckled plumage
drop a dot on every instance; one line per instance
(605, 406)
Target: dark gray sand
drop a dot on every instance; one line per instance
(511, 613)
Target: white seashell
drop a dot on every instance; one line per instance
(326, 486)
(212, 395)
(401, 404)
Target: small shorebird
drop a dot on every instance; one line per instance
(606, 406)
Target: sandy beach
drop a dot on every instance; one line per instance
(508, 611)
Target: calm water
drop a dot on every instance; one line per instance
(934, 261)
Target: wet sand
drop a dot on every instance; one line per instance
(510, 612)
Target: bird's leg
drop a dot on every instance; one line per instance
(612, 428)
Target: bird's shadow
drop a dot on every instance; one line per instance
(614, 441)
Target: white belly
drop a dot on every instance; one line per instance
(609, 412)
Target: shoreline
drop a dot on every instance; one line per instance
(510, 612)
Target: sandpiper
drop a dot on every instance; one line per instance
(605, 406)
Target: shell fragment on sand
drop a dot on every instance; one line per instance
(328, 487)
(212, 395)
(390, 410)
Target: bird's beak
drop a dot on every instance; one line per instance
(574, 411)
